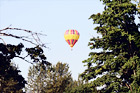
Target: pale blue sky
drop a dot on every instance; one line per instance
(53, 17)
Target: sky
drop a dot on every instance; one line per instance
(53, 18)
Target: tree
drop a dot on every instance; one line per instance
(58, 78)
(37, 79)
(53, 79)
(10, 79)
(80, 87)
(84, 88)
(117, 67)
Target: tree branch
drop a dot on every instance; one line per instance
(18, 37)
(25, 38)
(23, 58)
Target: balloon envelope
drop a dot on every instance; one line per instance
(71, 36)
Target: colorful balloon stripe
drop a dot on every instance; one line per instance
(71, 41)
(68, 42)
(72, 32)
(74, 42)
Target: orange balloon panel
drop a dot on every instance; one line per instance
(71, 36)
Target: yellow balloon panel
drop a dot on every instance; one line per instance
(71, 36)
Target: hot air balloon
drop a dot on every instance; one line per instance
(71, 36)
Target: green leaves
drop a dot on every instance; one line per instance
(37, 55)
(118, 62)
(10, 79)
(52, 79)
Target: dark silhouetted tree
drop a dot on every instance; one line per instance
(11, 81)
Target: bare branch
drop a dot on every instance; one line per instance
(3, 41)
(25, 38)
(18, 37)
(29, 31)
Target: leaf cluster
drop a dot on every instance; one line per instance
(10, 79)
(116, 67)
(52, 79)
(36, 54)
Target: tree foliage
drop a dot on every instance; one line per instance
(138, 4)
(118, 64)
(58, 78)
(80, 86)
(10, 79)
(53, 79)
(84, 88)
(37, 76)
